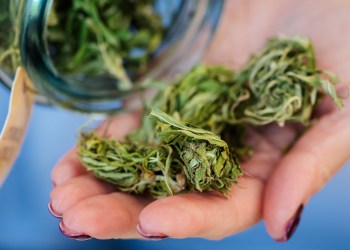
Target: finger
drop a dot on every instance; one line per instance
(67, 167)
(314, 159)
(75, 190)
(207, 215)
(117, 127)
(108, 216)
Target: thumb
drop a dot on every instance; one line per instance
(304, 171)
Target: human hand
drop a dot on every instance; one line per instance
(278, 184)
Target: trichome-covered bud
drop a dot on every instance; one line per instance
(284, 82)
(207, 160)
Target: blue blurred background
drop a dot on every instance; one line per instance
(25, 222)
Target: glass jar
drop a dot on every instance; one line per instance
(188, 27)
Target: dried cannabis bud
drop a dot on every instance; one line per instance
(280, 84)
(111, 37)
(284, 82)
(208, 162)
(160, 169)
(132, 167)
(202, 97)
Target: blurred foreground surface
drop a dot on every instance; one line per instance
(25, 222)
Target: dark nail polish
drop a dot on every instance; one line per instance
(150, 236)
(72, 235)
(292, 225)
(53, 212)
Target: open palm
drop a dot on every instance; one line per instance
(276, 186)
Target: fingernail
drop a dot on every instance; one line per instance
(150, 235)
(292, 225)
(72, 234)
(53, 212)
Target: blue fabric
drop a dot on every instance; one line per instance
(25, 222)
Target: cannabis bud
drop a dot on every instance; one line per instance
(199, 96)
(284, 82)
(112, 38)
(207, 161)
(185, 158)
